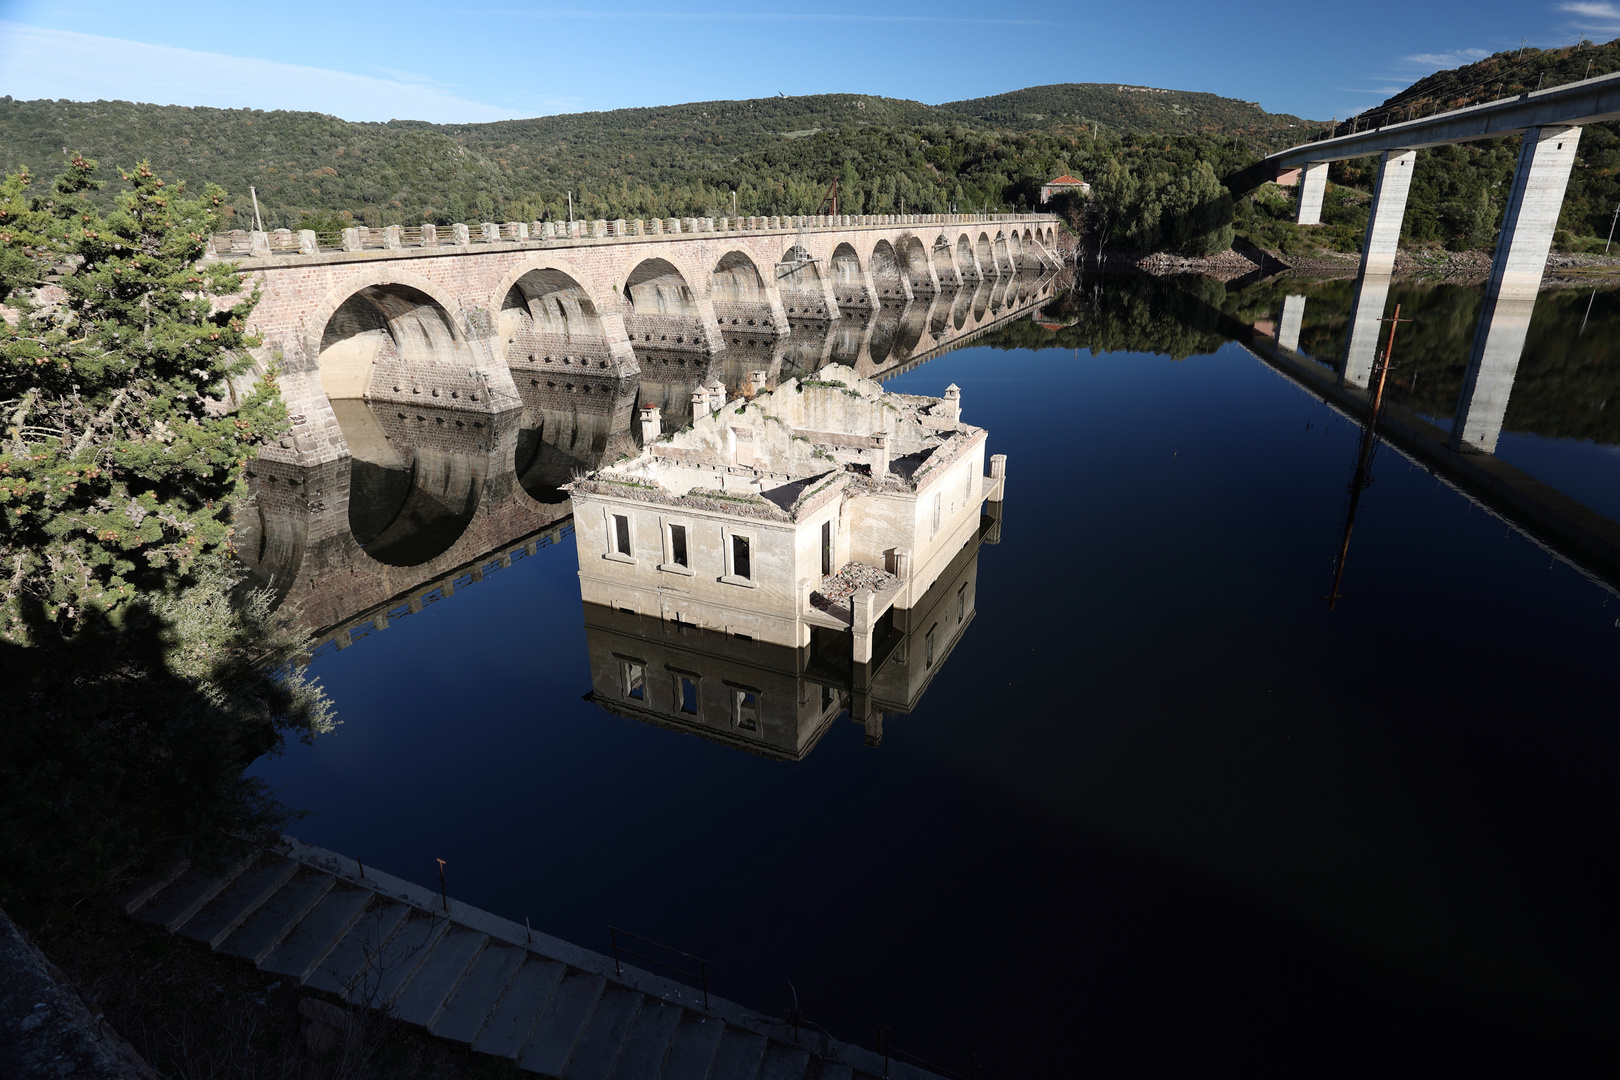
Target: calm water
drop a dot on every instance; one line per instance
(1160, 809)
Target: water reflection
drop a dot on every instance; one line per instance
(430, 499)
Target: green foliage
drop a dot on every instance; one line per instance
(116, 475)
(778, 154)
(137, 685)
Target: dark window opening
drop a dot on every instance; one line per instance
(961, 604)
(635, 682)
(677, 545)
(740, 563)
(826, 549)
(689, 696)
(745, 710)
(928, 642)
(621, 533)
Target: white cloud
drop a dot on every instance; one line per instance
(1454, 58)
(1596, 18)
(41, 63)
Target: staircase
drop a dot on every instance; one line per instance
(464, 974)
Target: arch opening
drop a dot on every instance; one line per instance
(913, 260)
(547, 315)
(884, 266)
(741, 303)
(849, 283)
(986, 253)
(798, 278)
(964, 257)
(662, 309)
(382, 331)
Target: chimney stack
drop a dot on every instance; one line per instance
(652, 424)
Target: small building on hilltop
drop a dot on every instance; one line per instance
(1061, 184)
(814, 509)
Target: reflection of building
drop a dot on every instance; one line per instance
(776, 700)
(808, 526)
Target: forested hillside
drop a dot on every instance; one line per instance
(779, 154)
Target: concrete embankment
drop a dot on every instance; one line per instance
(468, 976)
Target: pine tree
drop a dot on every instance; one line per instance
(118, 467)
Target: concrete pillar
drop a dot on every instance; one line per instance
(489, 232)
(351, 239)
(463, 233)
(391, 238)
(652, 424)
(1293, 317)
(1388, 209)
(258, 244)
(1546, 156)
(1312, 186)
(717, 393)
(880, 454)
(308, 243)
(430, 236)
(689, 225)
(861, 606)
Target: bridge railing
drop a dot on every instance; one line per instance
(239, 243)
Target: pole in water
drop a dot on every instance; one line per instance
(362, 867)
(442, 897)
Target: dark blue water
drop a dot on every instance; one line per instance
(1160, 812)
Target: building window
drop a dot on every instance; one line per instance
(688, 695)
(826, 548)
(829, 697)
(961, 604)
(621, 534)
(677, 545)
(635, 681)
(928, 646)
(936, 511)
(741, 563)
(745, 710)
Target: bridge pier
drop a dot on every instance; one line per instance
(1312, 188)
(1546, 156)
(1378, 249)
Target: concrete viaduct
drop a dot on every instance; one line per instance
(443, 317)
(1549, 124)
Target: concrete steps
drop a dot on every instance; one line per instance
(470, 976)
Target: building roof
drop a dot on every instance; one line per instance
(1064, 181)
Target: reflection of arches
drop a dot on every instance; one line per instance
(960, 309)
(546, 310)
(413, 484)
(381, 326)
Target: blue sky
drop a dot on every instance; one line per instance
(515, 58)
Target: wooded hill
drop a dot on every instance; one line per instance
(779, 154)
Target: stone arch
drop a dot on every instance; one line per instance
(964, 256)
(545, 311)
(661, 308)
(987, 255)
(912, 256)
(1001, 252)
(849, 276)
(800, 283)
(740, 296)
(381, 319)
(1015, 249)
(884, 266)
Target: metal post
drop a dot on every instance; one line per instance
(1612, 220)
(705, 970)
(444, 899)
(257, 223)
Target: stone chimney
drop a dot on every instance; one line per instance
(880, 454)
(700, 404)
(652, 424)
(953, 402)
(758, 380)
(717, 393)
